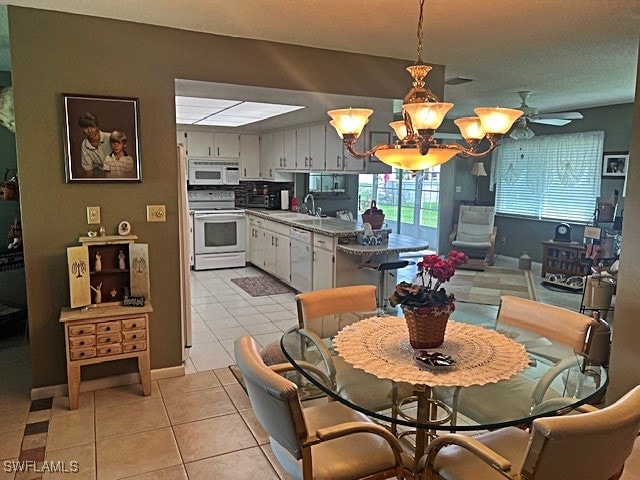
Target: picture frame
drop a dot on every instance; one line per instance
(615, 164)
(376, 138)
(106, 122)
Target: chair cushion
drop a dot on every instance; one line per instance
(455, 463)
(343, 458)
(470, 245)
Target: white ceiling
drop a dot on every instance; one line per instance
(571, 53)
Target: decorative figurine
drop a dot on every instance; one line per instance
(102, 231)
(121, 260)
(98, 263)
(113, 294)
(98, 291)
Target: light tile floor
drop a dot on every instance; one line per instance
(199, 426)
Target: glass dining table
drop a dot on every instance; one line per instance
(478, 379)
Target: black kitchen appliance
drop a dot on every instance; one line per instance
(274, 202)
(258, 201)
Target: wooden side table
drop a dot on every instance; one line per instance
(102, 334)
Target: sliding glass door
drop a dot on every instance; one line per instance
(409, 200)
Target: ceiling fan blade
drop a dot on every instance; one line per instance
(562, 115)
(558, 122)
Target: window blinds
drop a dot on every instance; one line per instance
(549, 177)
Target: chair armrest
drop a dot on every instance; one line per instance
(281, 368)
(453, 234)
(324, 352)
(349, 428)
(550, 375)
(470, 444)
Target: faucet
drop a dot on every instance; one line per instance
(312, 210)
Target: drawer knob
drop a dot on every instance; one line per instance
(134, 325)
(81, 343)
(108, 340)
(108, 350)
(81, 332)
(133, 347)
(108, 329)
(82, 354)
(134, 336)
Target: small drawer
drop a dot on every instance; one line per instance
(133, 323)
(134, 346)
(81, 342)
(108, 327)
(107, 338)
(109, 350)
(283, 229)
(322, 241)
(134, 335)
(82, 353)
(86, 329)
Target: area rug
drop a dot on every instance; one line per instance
(261, 286)
(487, 287)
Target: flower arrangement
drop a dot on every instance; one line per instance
(433, 271)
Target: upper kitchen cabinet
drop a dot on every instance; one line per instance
(284, 149)
(268, 160)
(249, 157)
(227, 145)
(339, 159)
(214, 145)
(310, 153)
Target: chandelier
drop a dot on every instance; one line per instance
(423, 112)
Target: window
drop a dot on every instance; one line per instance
(550, 177)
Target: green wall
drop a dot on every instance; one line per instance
(55, 52)
(8, 159)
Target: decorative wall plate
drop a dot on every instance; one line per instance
(124, 228)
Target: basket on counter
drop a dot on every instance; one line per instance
(373, 216)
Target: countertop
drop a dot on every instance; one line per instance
(336, 227)
(331, 226)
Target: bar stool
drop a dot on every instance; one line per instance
(382, 268)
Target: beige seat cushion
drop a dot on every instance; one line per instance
(454, 462)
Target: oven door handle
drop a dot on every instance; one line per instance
(218, 216)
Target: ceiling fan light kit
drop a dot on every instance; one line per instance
(423, 112)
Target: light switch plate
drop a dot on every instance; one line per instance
(93, 215)
(156, 213)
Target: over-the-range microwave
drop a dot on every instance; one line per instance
(211, 172)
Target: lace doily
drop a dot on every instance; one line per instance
(380, 346)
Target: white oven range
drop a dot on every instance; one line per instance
(218, 229)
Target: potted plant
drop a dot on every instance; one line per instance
(425, 303)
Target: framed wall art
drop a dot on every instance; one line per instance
(101, 138)
(615, 164)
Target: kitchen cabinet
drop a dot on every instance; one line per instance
(191, 240)
(339, 159)
(276, 242)
(268, 161)
(255, 241)
(310, 145)
(200, 143)
(227, 145)
(284, 149)
(249, 157)
(323, 261)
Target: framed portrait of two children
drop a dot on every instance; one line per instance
(101, 138)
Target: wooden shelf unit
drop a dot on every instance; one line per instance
(564, 259)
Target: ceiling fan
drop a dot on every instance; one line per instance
(557, 119)
(521, 131)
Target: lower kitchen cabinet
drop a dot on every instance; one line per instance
(323, 262)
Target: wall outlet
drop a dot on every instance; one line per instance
(458, 189)
(156, 213)
(503, 240)
(93, 215)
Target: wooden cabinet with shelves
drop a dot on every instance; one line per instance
(103, 269)
(566, 259)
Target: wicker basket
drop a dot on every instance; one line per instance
(376, 220)
(426, 330)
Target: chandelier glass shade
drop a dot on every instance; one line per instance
(423, 113)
